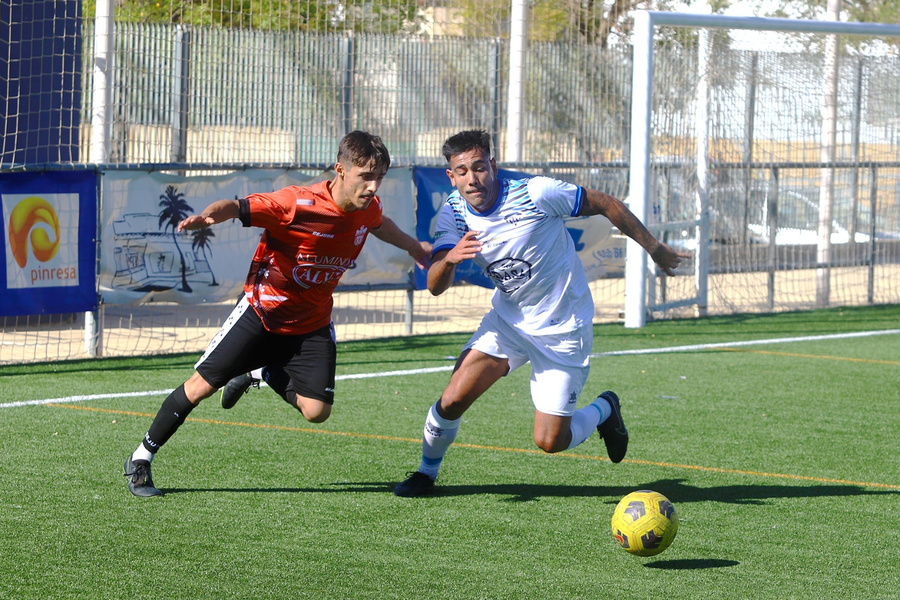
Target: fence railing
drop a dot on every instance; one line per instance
(214, 99)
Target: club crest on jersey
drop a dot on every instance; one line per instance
(360, 235)
(508, 274)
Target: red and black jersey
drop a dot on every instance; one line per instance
(307, 245)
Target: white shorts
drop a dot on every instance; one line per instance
(560, 363)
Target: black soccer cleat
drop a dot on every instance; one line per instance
(417, 484)
(141, 482)
(613, 431)
(235, 388)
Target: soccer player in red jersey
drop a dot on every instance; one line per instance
(312, 235)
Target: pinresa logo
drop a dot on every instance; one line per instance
(25, 224)
(39, 243)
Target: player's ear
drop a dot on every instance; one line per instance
(339, 169)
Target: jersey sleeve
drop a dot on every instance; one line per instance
(556, 197)
(449, 228)
(272, 210)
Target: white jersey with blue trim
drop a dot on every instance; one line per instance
(527, 252)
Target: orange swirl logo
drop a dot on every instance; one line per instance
(25, 216)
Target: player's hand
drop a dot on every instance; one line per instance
(668, 259)
(195, 222)
(467, 248)
(422, 255)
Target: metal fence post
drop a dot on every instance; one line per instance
(181, 86)
(772, 224)
(749, 121)
(873, 204)
(348, 66)
(854, 152)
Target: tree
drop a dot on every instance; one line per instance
(174, 210)
(876, 11)
(563, 20)
(200, 239)
(371, 16)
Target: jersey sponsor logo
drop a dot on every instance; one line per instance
(360, 235)
(305, 202)
(309, 275)
(336, 261)
(321, 234)
(509, 274)
(492, 242)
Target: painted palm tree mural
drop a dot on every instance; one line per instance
(200, 241)
(174, 210)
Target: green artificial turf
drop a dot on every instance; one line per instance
(781, 459)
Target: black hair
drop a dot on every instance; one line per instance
(361, 147)
(465, 141)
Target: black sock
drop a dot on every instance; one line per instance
(174, 410)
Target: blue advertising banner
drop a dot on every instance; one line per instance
(49, 242)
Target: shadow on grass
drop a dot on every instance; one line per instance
(674, 489)
(691, 563)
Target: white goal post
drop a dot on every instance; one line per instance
(646, 24)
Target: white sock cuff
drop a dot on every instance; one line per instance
(142, 454)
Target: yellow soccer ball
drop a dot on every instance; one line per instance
(645, 523)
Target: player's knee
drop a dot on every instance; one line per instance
(549, 443)
(317, 418)
(196, 388)
(449, 409)
(314, 411)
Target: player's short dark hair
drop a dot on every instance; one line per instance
(361, 147)
(465, 141)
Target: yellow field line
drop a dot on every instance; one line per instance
(765, 474)
(496, 448)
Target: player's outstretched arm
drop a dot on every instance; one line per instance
(218, 211)
(618, 213)
(443, 263)
(389, 232)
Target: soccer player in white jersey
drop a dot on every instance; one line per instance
(542, 310)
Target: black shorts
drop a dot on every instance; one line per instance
(243, 344)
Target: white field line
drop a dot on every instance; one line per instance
(808, 338)
(670, 349)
